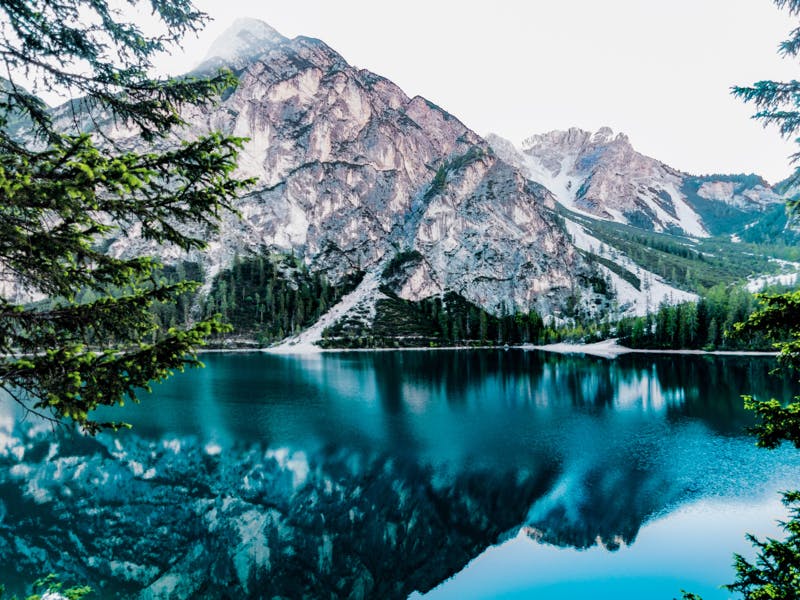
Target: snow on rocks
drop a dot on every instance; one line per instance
(653, 289)
(306, 342)
(601, 175)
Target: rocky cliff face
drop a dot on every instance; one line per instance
(600, 174)
(350, 171)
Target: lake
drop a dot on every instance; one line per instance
(436, 474)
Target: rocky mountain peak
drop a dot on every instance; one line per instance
(572, 137)
(245, 39)
(573, 140)
(350, 172)
(601, 174)
(603, 135)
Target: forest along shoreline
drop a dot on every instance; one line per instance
(609, 348)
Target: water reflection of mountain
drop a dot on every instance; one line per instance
(405, 469)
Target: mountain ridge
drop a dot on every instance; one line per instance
(600, 174)
(350, 170)
(352, 173)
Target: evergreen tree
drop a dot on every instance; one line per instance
(713, 334)
(637, 334)
(483, 326)
(62, 191)
(778, 103)
(775, 573)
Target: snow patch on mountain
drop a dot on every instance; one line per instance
(348, 170)
(601, 175)
(689, 220)
(634, 302)
(363, 296)
(757, 284)
(789, 277)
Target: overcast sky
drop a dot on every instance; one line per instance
(659, 71)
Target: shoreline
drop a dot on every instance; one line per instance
(606, 349)
(611, 349)
(304, 349)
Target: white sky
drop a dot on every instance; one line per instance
(659, 71)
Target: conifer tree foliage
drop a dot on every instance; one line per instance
(707, 324)
(778, 318)
(775, 572)
(63, 190)
(778, 103)
(268, 297)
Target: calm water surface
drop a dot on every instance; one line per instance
(453, 474)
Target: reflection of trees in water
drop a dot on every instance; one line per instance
(456, 375)
(695, 387)
(712, 387)
(678, 387)
(450, 373)
(369, 515)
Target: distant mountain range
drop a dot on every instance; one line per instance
(353, 176)
(601, 175)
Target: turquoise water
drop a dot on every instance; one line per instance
(453, 474)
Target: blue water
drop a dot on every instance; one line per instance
(450, 474)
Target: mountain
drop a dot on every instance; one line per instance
(243, 41)
(412, 217)
(351, 172)
(601, 175)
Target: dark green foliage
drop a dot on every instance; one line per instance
(271, 297)
(178, 310)
(777, 423)
(448, 320)
(708, 324)
(666, 201)
(765, 227)
(614, 267)
(451, 166)
(773, 226)
(96, 341)
(724, 219)
(400, 260)
(437, 184)
(779, 319)
(50, 586)
(778, 103)
(85, 49)
(581, 193)
(581, 331)
(598, 282)
(775, 573)
(689, 263)
(640, 219)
